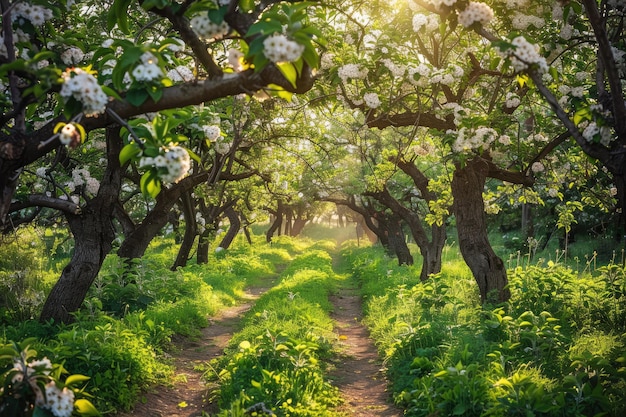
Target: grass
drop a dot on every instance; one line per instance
(557, 348)
(278, 358)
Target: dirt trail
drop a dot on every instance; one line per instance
(357, 372)
(359, 375)
(186, 396)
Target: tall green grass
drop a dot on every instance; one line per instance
(276, 361)
(557, 348)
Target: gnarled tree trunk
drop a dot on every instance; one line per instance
(235, 226)
(93, 236)
(191, 231)
(136, 243)
(488, 269)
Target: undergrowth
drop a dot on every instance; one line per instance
(557, 348)
(277, 361)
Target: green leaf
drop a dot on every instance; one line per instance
(289, 72)
(194, 156)
(129, 152)
(155, 93)
(111, 92)
(75, 379)
(137, 97)
(149, 184)
(85, 407)
(118, 14)
(459, 409)
(246, 5)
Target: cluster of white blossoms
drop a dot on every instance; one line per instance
(181, 74)
(395, 69)
(207, 29)
(475, 12)
(512, 101)
(522, 21)
(352, 71)
(537, 167)
(279, 48)
(148, 70)
(84, 88)
(525, 54)
(200, 222)
(439, 3)
(459, 112)
(602, 133)
(82, 177)
(471, 139)
(175, 159)
(59, 402)
(234, 59)
(428, 22)
(371, 100)
(419, 76)
(212, 132)
(72, 56)
(35, 14)
(222, 146)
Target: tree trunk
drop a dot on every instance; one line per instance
(430, 250)
(235, 226)
(432, 253)
(276, 224)
(397, 241)
(488, 269)
(135, 244)
(298, 225)
(202, 257)
(93, 236)
(191, 231)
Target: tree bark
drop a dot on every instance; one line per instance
(191, 231)
(488, 269)
(235, 226)
(276, 224)
(397, 240)
(93, 236)
(298, 225)
(136, 243)
(430, 249)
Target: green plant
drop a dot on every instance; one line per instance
(37, 387)
(283, 373)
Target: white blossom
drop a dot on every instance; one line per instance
(476, 12)
(279, 48)
(206, 29)
(84, 88)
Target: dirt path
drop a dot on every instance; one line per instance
(186, 396)
(358, 375)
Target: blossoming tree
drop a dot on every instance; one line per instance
(462, 72)
(72, 69)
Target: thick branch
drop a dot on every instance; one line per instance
(606, 56)
(40, 200)
(410, 119)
